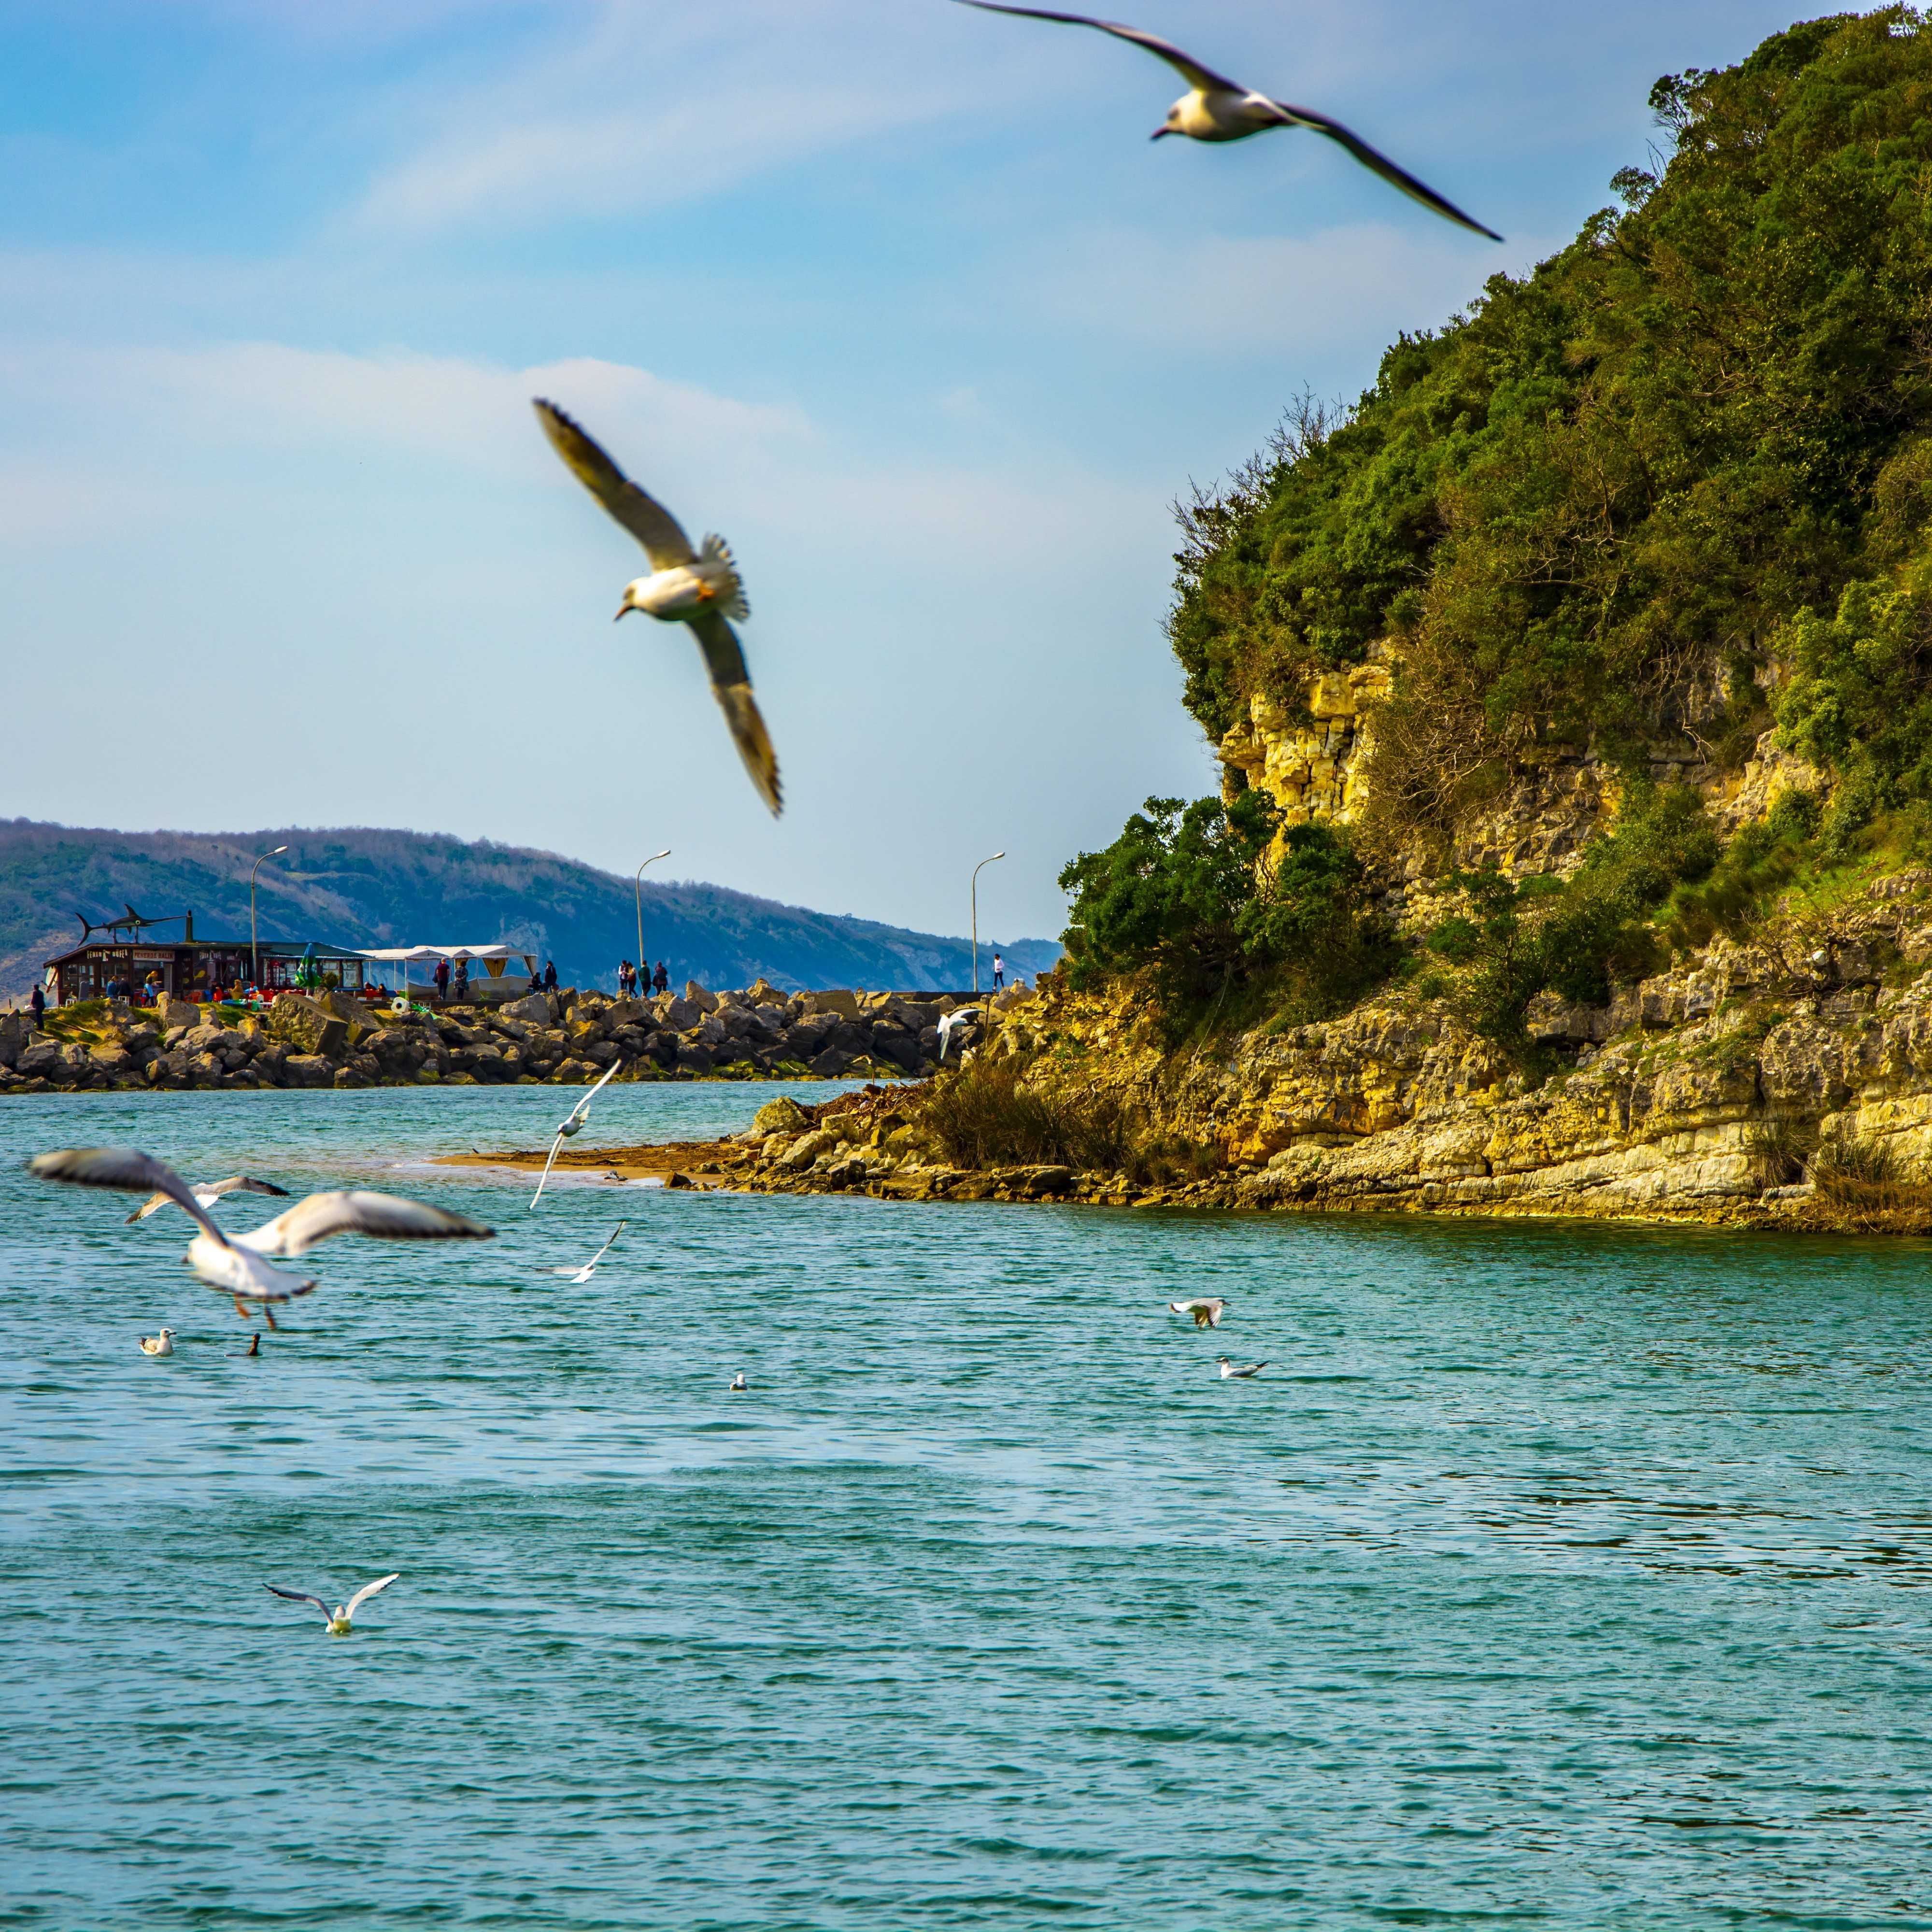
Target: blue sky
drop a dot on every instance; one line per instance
(897, 296)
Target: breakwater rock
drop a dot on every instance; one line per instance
(565, 1038)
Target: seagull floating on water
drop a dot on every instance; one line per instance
(237, 1265)
(700, 588)
(1216, 109)
(573, 1123)
(947, 1021)
(208, 1192)
(343, 1614)
(1207, 1312)
(163, 1344)
(589, 1267)
(738, 1384)
(1231, 1372)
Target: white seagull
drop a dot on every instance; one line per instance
(698, 587)
(1216, 109)
(589, 1267)
(1230, 1373)
(947, 1021)
(573, 1123)
(1207, 1312)
(340, 1618)
(738, 1384)
(163, 1344)
(207, 1193)
(236, 1264)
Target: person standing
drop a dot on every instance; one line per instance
(550, 976)
(442, 981)
(662, 982)
(462, 988)
(38, 1001)
(999, 971)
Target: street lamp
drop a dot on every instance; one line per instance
(976, 920)
(254, 947)
(637, 894)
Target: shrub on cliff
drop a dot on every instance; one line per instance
(1193, 896)
(1624, 471)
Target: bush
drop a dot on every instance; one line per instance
(1866, 1182)
(1199, 898)
(983, 1115)
(1779, 1146)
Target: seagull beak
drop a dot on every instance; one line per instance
(1159, 132)
(622, 609)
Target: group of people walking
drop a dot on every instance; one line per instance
(628, 977)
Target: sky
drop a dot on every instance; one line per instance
(896, 295)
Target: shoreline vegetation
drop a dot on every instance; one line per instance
(562, 1038)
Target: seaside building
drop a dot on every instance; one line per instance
(87, 971)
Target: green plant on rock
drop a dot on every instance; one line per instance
(1197, 897)
(983, 1115)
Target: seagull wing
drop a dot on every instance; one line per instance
(243, 1184)
(608, 1245)
(544, 1181)
(388, 1217)
(356, 1602)
(1379, 163)
(148, 1207)
(731, 685)
(127, 1168)
(300, 1597)
(583, 1105)
(647, 520)
(1185, 64)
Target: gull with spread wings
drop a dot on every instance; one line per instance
(343, 1616)
(572, 1124)
(1216, 109)
(698, 587)
(589, 1267)
(237, 1265)
(209, 1193)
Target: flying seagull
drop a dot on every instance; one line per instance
(208, 1192)
(589, 1267)
(235, 1265)
(947, 1021)
(163, 1344)
(340, 1618)
(1231, 1372)
(698, 587)
(1207, 1312)
(573, 1123)
(1216, 109)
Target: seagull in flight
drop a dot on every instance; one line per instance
(1232, 1372)
(207, 1193)
(698, 587)
(163, 1344)
(237, 1265)
(339, 1619)
(1216, 109)
(947, 1021)
(573, 1123)
(1207, 1312)
(589, 1267)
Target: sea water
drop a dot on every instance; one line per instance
(1549, 1575)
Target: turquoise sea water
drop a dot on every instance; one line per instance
(1549, 1577)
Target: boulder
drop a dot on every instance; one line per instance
(680, 1015)
(783, 1115)
(831, 1063)
(309, 1069)
(705, 1002)
(693, 1058)
(14, 1028)
(174, 1013)
(839, 1000)
(533, 1009)
(305, 1025)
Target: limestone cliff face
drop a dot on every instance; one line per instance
(1311, 760)
(1393, 1106)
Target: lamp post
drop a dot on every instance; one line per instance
(254, 945)
(976, 920)
(637, 894)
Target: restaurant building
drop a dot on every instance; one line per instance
(189, 967)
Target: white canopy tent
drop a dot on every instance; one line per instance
(495, 958)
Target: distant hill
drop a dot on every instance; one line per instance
(364, 887)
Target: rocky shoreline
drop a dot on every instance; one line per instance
(562, 1039)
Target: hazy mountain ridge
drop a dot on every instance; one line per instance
(364, 887)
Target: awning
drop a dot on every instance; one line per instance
(495, 957)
